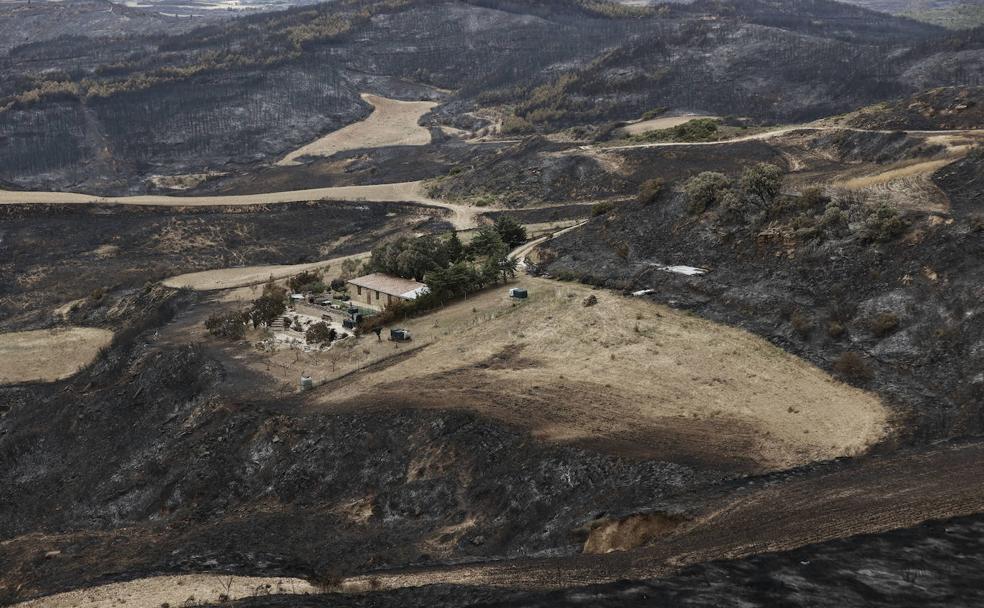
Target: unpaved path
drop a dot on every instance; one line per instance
(179, 590)
(767, 135)
(47, 355)
(397, 192)
(392, 123)
(462, 217)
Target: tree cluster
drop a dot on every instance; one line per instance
(759, 187)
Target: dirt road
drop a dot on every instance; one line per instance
(768, 135)
(462, 216)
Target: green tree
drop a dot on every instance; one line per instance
(763, 181)
(705, 190)
(512, 232)
(507, 267)
(320, 333)
(488, 243)
(349, 268)
(269, 306)
(454, 251)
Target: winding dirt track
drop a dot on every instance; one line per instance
(770, 135)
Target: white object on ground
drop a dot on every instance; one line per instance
(689, 271)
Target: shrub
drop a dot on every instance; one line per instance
(883, 224)
(229, 325)
(698, 129)
(650, 191)
(852, 366)
(802, 324)
(884, 324)
(835, 329)
(338, 285)
(320, 333)
(97, 294)
(654, 113)
(705, 190)
(300, 282)
(601, 208)
(833, 216)
(813, 198)
(621, 249)
(516, 125)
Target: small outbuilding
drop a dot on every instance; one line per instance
(377, 290)
(519, 293)
(400, 335)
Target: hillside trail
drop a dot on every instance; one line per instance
(766, 135)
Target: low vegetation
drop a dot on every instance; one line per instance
(228, 325)
(320, 333)
(755, 199)
(697, 130)
(853, 367)
(650, 191)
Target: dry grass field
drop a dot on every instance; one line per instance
(48, 354)
(655, 124)
(624, 376)
(178, 590)
(231, 278)
(392, 123)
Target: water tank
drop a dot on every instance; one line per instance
(306, 383)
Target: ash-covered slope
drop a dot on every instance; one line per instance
(23, 22)
(248, 90)
(944, 108)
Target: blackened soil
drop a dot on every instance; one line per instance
(50, 255)
(936, 564)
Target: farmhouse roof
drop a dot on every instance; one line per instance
(390, 285)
